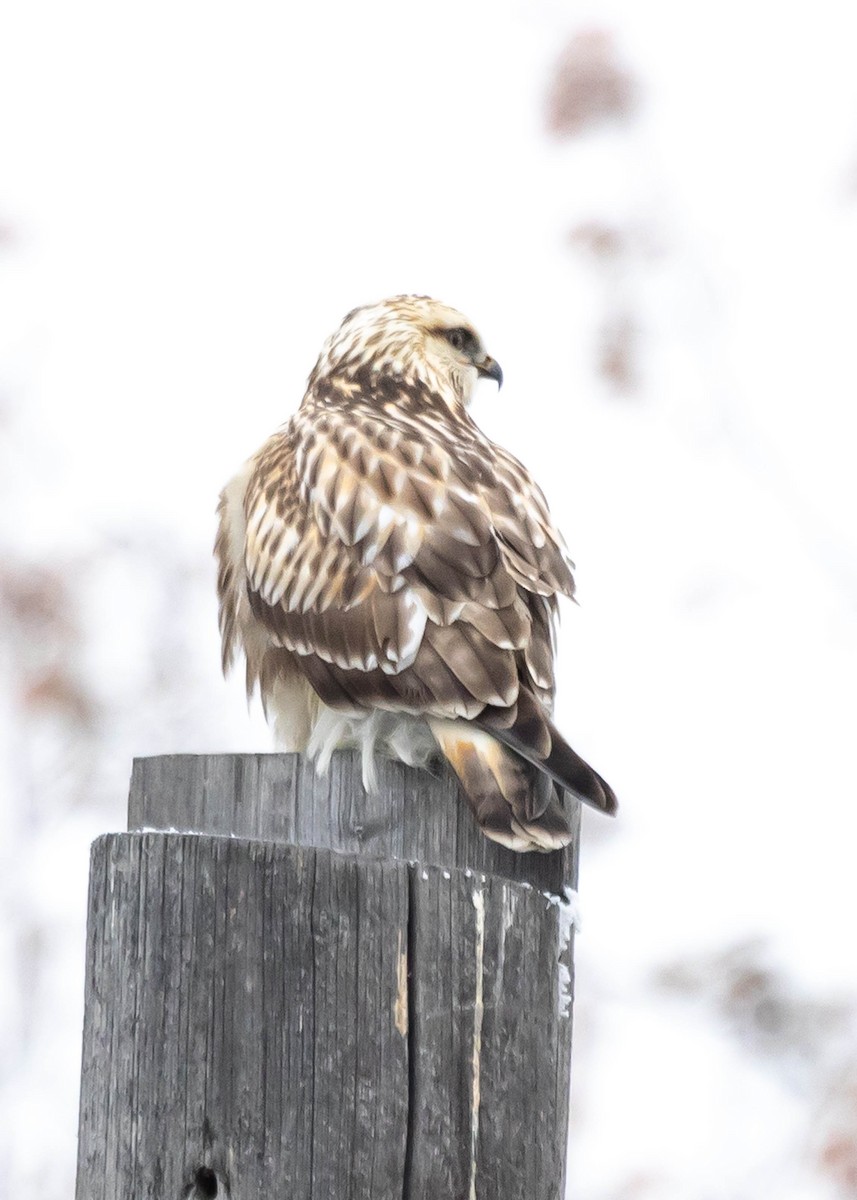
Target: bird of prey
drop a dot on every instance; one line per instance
(392, 576)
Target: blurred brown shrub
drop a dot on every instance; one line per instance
(589, 85)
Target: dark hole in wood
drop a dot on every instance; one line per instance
(205, 1182)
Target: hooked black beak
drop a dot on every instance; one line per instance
(491, 369)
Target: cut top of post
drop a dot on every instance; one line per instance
(415, 815)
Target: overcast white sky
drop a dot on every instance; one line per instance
(194, 194)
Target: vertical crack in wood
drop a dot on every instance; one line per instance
(312, 917)
(140, 1032)
(411, 1018)
(476, 1059)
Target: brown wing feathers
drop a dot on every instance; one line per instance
(390, 554)
(533, 735)
(397, 541)
(347, 563)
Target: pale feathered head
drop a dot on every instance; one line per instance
(413, 338)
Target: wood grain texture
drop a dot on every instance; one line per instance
(266, 1019)
(414, 815)
(491, 1044)
(241, 1019)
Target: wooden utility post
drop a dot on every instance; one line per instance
(321, 995)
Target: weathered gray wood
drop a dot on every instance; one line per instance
(491, 1043)
(269, 1017)
(413, 815)
(271, 1020)
(245, 1018)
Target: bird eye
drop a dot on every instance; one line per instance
(457, 338)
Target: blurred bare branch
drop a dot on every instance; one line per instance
(762, 1007)
(606, 243)
(836, 1133)
(617, 352)
(590, 86)
(39, 619)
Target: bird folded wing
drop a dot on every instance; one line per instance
(405, 575)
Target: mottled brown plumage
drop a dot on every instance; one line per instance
(392, 576)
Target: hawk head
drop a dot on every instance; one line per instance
(413, 338)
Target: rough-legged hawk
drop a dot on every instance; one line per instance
(392, 576)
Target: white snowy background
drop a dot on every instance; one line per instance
(650, 212)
